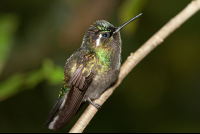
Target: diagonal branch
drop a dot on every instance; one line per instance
(135, 58)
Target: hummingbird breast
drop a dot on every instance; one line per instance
(106, 69)
(101, 83)
(106, 72)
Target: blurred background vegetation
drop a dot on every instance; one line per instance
(162, 94)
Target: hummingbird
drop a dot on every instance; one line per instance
(89, 71)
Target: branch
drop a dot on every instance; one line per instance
(135, 58)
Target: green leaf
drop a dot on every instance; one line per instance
(11, 86)
(34, 78)
(8, 25)
(53, 74)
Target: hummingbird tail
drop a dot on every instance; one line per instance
(76, 97)
(54, 110)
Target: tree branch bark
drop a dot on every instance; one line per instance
(135, 58)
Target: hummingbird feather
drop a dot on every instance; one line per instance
(54, 110)
(80, 82)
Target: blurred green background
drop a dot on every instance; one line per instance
(161, 94)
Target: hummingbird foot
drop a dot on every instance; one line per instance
(93, 103)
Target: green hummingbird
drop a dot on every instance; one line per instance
(89, 71)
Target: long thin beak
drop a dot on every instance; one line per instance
(120, 27)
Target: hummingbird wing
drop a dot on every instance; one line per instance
(54, 110)
(80, 82)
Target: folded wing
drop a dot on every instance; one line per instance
(80, 82)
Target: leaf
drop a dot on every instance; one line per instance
(53, 74)
(11, 86)
(8, 26)
(34, 78)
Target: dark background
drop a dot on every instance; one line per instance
(161, 94)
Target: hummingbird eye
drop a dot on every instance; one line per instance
(105, 35)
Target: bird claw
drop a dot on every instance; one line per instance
(97, 106)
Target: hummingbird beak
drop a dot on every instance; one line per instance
(120, 27)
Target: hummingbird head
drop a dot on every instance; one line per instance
(100, 34)
(104, 35)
